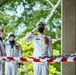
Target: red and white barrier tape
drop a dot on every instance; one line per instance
(32, 59)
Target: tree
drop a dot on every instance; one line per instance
(21, 17)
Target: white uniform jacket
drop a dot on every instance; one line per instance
(11, 66)
(12, 52)
(40, 48)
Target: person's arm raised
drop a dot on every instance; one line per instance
(30, 35)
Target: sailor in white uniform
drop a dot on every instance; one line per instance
(2, 51)
(13, 49)
(42, 47)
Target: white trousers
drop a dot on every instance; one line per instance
(41, 69)
(1, 68)
(11, 68)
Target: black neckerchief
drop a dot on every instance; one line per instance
(12, 43)
(1, 38)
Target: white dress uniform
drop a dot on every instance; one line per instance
(40, 49)
(2, 53)
(11, 67)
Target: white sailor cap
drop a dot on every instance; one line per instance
(41, 22)
(11, 34)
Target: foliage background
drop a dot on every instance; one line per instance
(21, 16)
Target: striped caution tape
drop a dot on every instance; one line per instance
(62, 58)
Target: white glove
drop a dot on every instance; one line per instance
(34, 29)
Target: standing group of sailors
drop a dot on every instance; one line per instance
(42, 47)
(9, 48)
